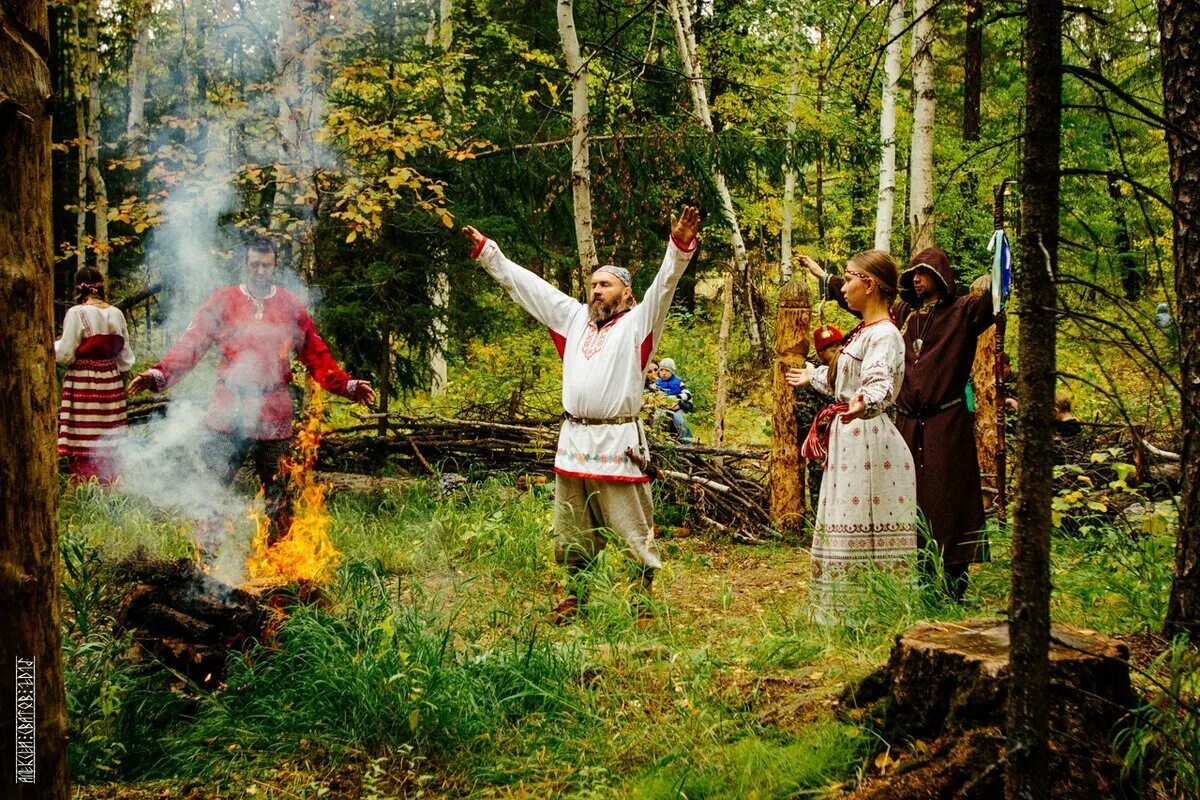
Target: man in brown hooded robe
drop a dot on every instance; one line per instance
(940, 329)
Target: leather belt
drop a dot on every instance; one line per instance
(609, 421)
(926, 413)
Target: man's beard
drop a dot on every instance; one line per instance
(599, 311)
(261, 287)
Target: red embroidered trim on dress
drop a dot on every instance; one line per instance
(611, 478)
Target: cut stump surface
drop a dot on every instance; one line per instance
(942, 695)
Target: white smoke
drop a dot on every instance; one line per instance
(194, 251)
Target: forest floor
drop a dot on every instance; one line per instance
(433, 672)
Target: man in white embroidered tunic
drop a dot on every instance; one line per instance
(605, 346)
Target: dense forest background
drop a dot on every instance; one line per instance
(363, 133)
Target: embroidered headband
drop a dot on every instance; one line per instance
(865, 277)
(621, 273)
(91, 287)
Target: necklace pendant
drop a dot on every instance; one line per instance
(917, 345)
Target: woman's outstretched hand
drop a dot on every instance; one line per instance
(858, 407)
(797, 377)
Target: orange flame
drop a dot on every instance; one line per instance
(306, 555)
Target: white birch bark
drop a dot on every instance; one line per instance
(788, 210)
(722, 397)
(924, 106)
(138, 68)
(685, 38)
(446, 29)
(581, 176)
(440, 295)
(78, 79)
(885, 209)
(95, 176)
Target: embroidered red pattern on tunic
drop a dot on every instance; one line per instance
(594, 341)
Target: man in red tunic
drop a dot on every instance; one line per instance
(257, 326)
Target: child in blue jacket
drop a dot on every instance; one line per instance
(669, 383)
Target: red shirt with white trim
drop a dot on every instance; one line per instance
(256, 339)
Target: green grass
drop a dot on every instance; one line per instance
(432, 669)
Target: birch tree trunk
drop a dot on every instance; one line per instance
(32, 704)
(138, 67)
(924, 105)
(887, 127)
(446, 29)
(685, 38)
(788, 209)
(722, 398)
(1179, 25)
(581, 176)
(79, 81)
(440, 295)
(95, 176)
(820, 176)
(300, 93)
(1027, 751)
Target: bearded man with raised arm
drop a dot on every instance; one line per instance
(602, 480)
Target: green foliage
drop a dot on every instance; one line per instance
(431, 660)
(375, 673)
(752, 767)
(115, 707)
(1161, 745)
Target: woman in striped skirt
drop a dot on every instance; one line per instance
(95, 350)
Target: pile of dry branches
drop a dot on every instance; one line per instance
(724, 489)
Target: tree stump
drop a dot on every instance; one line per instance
(942, 695)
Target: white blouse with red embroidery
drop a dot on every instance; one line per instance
(602, 367)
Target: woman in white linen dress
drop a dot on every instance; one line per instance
(867, 512)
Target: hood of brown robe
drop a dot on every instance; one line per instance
(939, 262)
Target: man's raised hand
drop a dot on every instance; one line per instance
(473, 236)
(685, 227)
(813, 267)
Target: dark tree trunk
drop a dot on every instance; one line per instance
(1129, 266)
(1029, 613)
(29, 583)
(1179, 26)
(973, 71)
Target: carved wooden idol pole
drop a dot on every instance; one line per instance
(791, 346)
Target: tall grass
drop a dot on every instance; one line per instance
(371, 674)
(825, 753)
(1161, 746)
(433, 650)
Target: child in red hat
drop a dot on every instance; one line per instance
(828, 341)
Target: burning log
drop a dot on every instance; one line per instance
(191, 622)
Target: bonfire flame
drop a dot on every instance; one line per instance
(306, 555)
